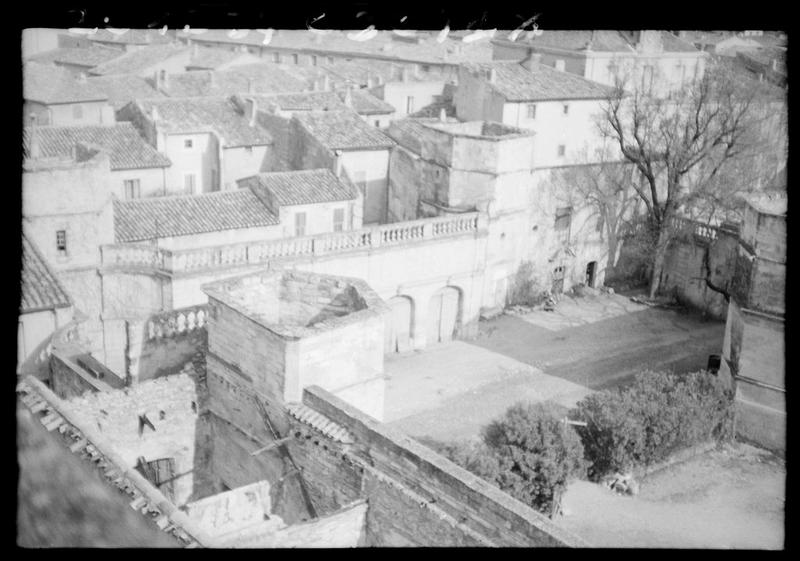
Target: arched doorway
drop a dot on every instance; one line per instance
(399, 324)
(591, 273)
(444, 313)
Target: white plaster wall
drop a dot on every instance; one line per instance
(319, 218)
(152, 181)
(375, 165)
(94, 113)
(241, 162)
(201, 159)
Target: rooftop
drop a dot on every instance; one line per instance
(40, 288)
(86, 56)
(139, 60)
(184, 215)
(364, 103)
(478, 129)
(422, 47)
(217, 114)
(131, 36)
(596, 40)
(343, 130)
(302, 187)
(126, 148)
(49, 84)
(211, 58)
(297, 304)
(257, 78)
(516, 83)
(121, 89)
(301, 101)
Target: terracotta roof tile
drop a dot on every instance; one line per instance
(41, 289)
(302, 101)
(131, 37)
(139, 60)
(211, 58)
(343, 130)
(151, 218)
(221, 115)
(364, 103)
(516, 83)
(87, 56)
(126, 148)
(51, 85)
(302, 187)
(259, 77)
(121, 89)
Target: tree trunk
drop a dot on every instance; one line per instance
(659, 258)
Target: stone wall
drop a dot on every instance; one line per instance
(434, 502)
(70, 380)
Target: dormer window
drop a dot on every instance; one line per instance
(61, 242)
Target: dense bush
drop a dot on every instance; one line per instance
(528, 453)
(652, 418)
(524, 289)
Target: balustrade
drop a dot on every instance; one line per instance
(256, 253)
(176, 322)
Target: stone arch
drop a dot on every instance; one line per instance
(400, 324)
(445, 312)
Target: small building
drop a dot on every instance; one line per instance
(372, 109)
(652, 59)
(210, 141)
(754, 347)
(560, 107)
(137, 169)
(146, 61)
(44, 307)
(343, 142)
(55, 96)
(307, 202)
(187, 222)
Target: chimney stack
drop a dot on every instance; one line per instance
(326, 83)
(370, 83)
(82, 77)
(533, 60)
(492, 75)
(252, 107)
(442, 115)
(154, 114)
(348, 98)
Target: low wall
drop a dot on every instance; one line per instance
(167, 342)
(69, 380)
(448, 493)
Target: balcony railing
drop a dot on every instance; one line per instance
(257, 253)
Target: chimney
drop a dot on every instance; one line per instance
(326, 83)
(348, 98)
(560, 65)
(442, 115)
(211, 79)
(532, 61)
(252, 107)
(154, 114)
(82, 77)
(164, 78)
(492, 75)
(370, 82)
(380, 80)
(195, 50)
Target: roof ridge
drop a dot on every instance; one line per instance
(196, 196)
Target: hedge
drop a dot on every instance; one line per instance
(658, 414)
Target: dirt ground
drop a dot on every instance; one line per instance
(729, 498)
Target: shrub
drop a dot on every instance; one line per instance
(528, 453)
(525, 289)
(652, 418)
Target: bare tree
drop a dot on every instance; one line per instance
(681, 144)
(604, 186)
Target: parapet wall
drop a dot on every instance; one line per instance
(418, 497)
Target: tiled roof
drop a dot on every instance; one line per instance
(189, 115)
(50, 85)
(88, 56)
(435, 108)
(210, 58)
(600, 40)
(364, 103)
(343, 130)
(302, 187)
(359, 72)
(385, 45)
(516, 83)
(121, 89)
(158, 217)
(259, 77)
(126, 148)
(303, 101)
(139, 60)
(40, 287)
(131, 37)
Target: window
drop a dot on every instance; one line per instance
(296, 59)
(313, 60)
(338, 219)
(77, 111)
(132, 189)
(426, 67)
(531, 111)
(562, 225)
(188, 143)
(276, 57)
(330, 60)
(378, 124)
(410, 104)
(300, 224)
(560, 65)
(562, 149)
(566, 109)
(61, 242)
(189, 183)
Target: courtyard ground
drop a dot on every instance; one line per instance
(450, 390)
(727, 498)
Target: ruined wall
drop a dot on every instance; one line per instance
(69, 380)
(170, 404)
